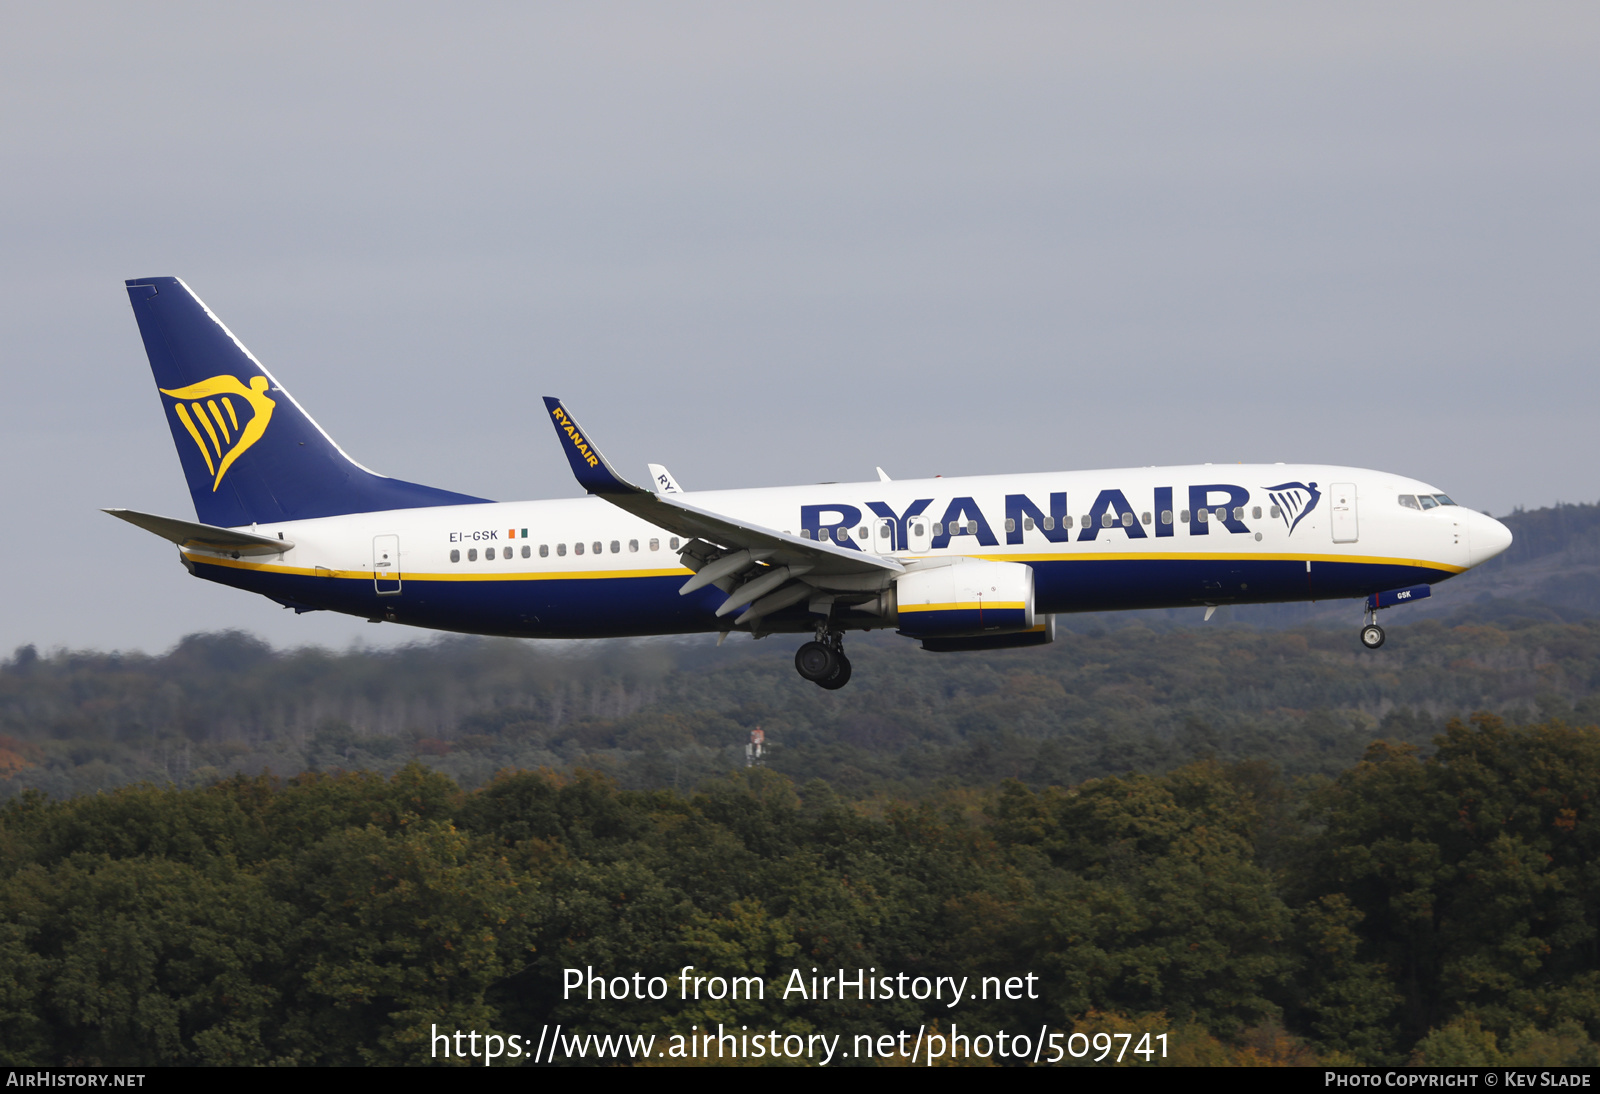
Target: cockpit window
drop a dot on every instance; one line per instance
(1409, 501)
(1428, 501)
(1444, 499)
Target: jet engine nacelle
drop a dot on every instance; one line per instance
(971, 597)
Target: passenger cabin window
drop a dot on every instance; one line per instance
(544, 550)
(673, 543)
(455, 556)
(633, 546)
(1238, 512)
(1166, 516)
(561, 550)
(1066, 522)
(1183, 516)
(938, 528)
(527, 552)
(1050, 524)
(805, 533)
(1011, 524)
(861, 533)
(1409, 501)
(1255, 513)
(1203, 515)
(577, 548)
(1106, 520)
(616, 547)
(597, 546)
(1144, 518)
(655, 545)
(488, 553)
(1276, 512)
(472, 554)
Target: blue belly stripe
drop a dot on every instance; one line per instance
(620, 607)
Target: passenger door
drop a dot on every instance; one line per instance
(1343, 496)
(386, 565)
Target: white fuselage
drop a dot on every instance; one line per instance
(1096, 540)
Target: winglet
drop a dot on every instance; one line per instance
(592, 471)
(663, 482)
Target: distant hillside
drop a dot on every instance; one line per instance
(1134, 697)
(1554, 562)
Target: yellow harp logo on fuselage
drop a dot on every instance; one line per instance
(220, 429)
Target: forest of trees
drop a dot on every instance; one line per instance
(1435, 910)
(1269, 842)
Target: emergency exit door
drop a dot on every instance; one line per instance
(883, 536)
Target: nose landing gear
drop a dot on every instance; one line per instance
(1371, 633)
(823, 661)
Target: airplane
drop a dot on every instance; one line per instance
(957, 564)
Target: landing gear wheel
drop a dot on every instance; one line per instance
(1372, 636)
(817, 662)
(841, 674)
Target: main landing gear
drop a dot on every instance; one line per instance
(1371, 633)
(823, 661)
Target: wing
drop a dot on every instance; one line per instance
(723, 547)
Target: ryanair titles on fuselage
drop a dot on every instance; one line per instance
(1224, 505)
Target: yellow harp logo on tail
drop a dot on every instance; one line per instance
(221, 427)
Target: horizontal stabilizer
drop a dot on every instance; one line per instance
(204, 537)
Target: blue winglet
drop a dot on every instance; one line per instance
(590, 468)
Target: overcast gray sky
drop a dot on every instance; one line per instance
(766, 244)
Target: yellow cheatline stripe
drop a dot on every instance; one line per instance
(1232, 556)
(211, 405)
(232, 417)
(967, 606)
(410, 575)
(680, 571)
(199, 412)
(188, 423)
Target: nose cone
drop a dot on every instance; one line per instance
(1486, 537)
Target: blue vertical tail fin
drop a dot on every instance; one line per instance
(250, 453)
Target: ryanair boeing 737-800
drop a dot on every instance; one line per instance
(976, 563)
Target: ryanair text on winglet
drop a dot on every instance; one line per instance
(577, 438)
